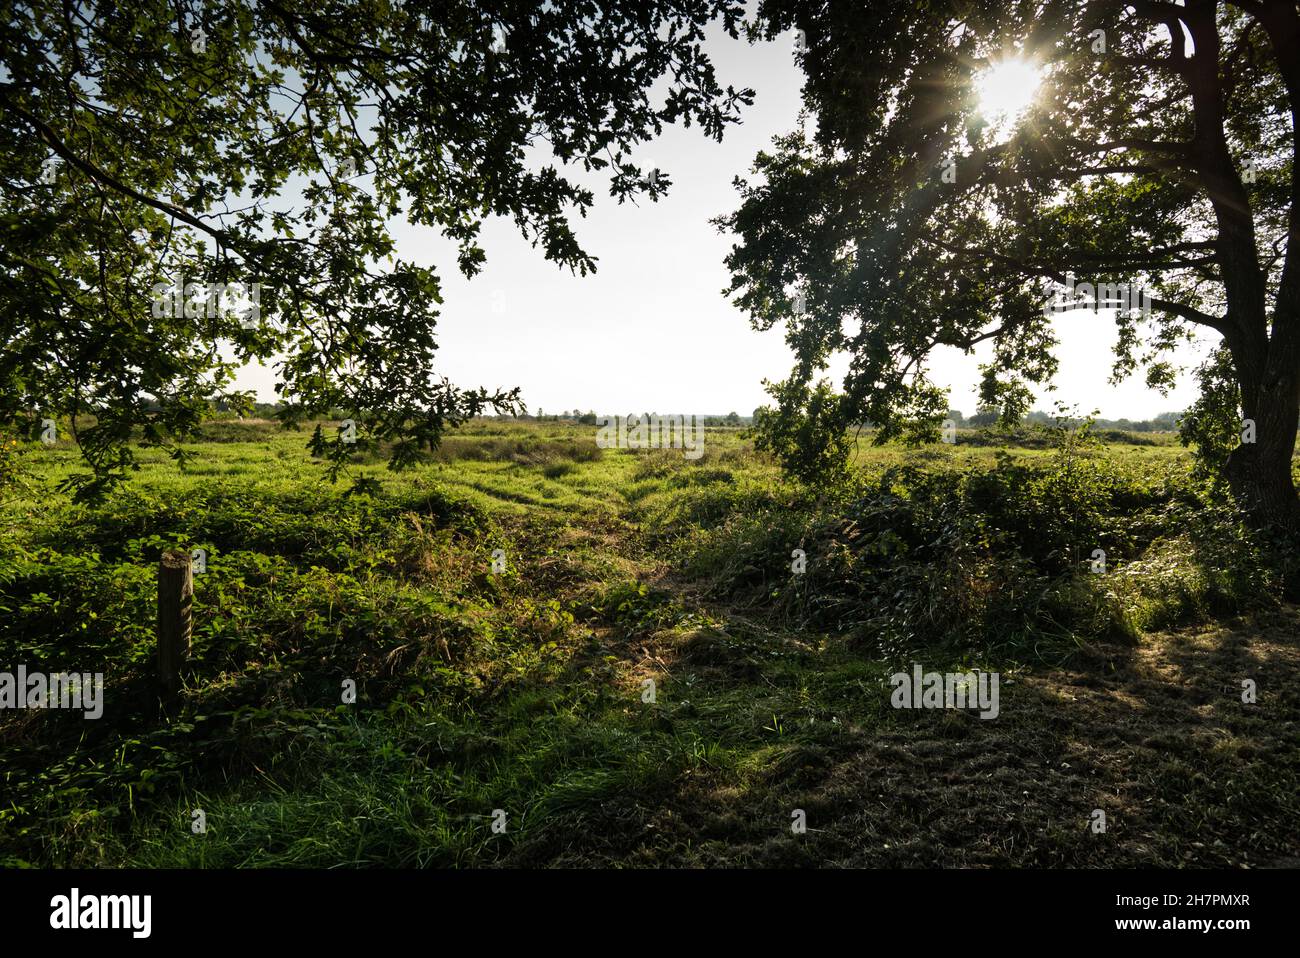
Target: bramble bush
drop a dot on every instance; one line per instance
(983, 558)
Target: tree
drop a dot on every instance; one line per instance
(250, 153)
(813, 443)
(1156, 160)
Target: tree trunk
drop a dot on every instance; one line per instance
(1259, 473)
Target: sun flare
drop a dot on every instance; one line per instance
(1007, 88)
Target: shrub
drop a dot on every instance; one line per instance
(980, 558)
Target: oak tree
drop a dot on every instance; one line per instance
(188, 186)
(1156, 158)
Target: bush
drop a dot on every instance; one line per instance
(981, 558)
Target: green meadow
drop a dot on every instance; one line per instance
(648, 681)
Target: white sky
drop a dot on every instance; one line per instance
(651, 330)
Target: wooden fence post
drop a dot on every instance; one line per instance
(175, 597)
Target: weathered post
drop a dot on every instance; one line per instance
(175, 597)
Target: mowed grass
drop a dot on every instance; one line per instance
(648, 682)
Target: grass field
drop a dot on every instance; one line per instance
(526, 691)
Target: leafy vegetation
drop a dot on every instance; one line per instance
(525, 690)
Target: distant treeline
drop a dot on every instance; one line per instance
(588, 418)
(1165, 422)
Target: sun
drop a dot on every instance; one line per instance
(1006, 89)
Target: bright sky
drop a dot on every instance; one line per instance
(651, 330)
